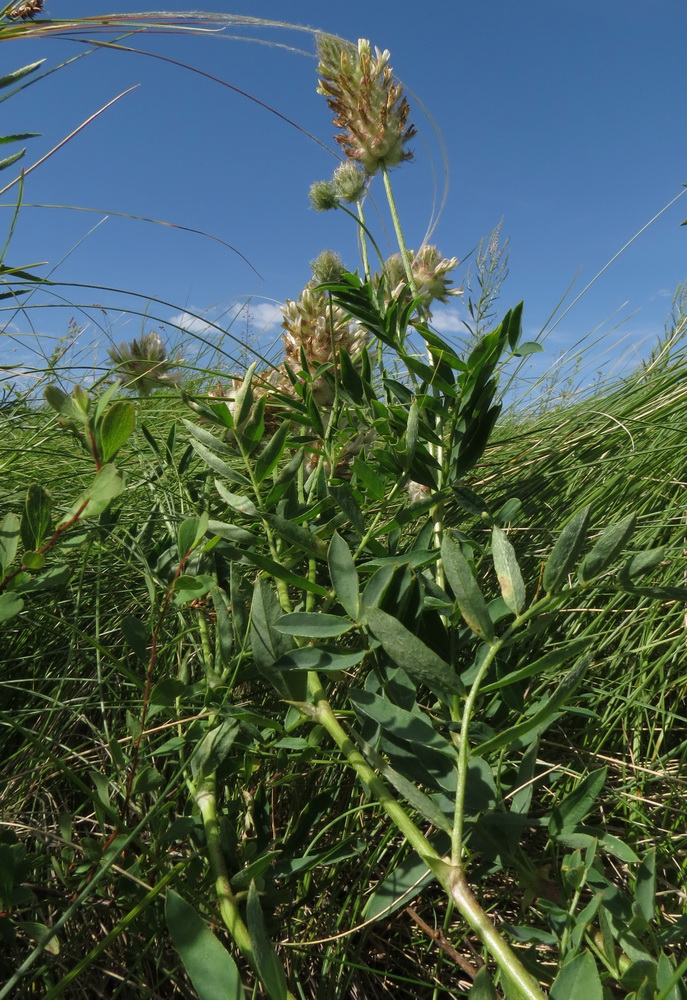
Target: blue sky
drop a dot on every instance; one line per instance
(566, 120)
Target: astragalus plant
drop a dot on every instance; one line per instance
(327, 669)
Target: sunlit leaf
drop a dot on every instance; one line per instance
(116, 428)
(10, 605)
(578, 980)
(507, 571)
(313, 624)
(9, 540)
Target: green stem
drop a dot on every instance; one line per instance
(323, 713)
(363, 242)
(502, 953)
(405, 253)
(450, 877)
(464, 755)
(206, 799)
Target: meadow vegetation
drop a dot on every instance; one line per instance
(335, 679)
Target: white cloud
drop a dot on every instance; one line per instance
(447, 320)
(263, 316)
(192, 323)
(266, 314)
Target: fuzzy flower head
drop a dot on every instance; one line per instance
(368, 106)
(143, 364)
(320, 329)
(430, 275)
(327, 267)
(349, 181)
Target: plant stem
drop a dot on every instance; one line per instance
(451, 877)
(405, 253)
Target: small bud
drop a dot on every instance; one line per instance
(349, 181)
(327, 267)
(323, 196)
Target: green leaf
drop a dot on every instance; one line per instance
(214, 747)
(116, 428)
(313, 624)
(645, 887)
(10, 605)
(19, 74)
(93, 501)
(209, 965)
(209, 441)
(136, 636)
(641, 563)
(241, 504)
(609, 546)
(564, 554)
(482, 987)
(420, 802)
(268, 644)
(268, 966)
(469, 597)
(295, 534)
(578, 980)
(410, 726)
(268, 458)
(507, 571)
(317, 658)
(590, 836)
(528, 347)
(554, 658)
(344, 575)
(369, 478)
(35, 524)
(244, 398)
(190, 588)
(9, 540)
(541, 718)
(573, 809)
(40, 933)
(33, 560)
(189, 533)
(398, 888)
(350, 378)
(407, 651)
(65, 405)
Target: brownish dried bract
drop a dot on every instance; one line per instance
(26, 11)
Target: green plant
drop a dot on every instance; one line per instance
(316, 661)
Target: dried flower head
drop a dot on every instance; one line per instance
(320, 329)
(143, 364)
(369, 107)
(430, 275)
